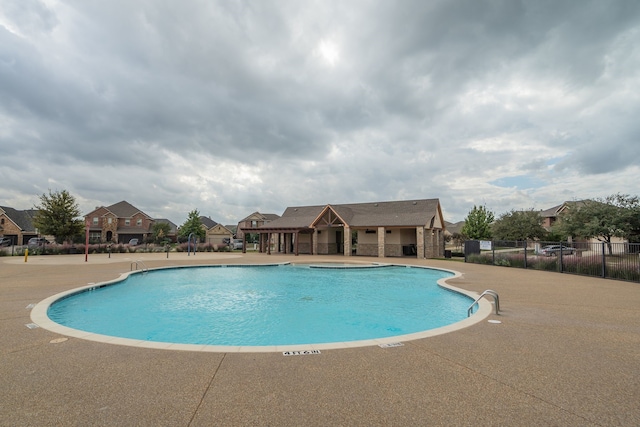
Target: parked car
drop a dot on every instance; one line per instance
(5, 241)
(237, 244)
(554, 250)
(133, 242)
(37, 241)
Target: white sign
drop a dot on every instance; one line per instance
(485, 245)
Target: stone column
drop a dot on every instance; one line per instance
(347, 240)
(420, 242)
(382, 234)
(314, 245)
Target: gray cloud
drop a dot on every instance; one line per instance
(231, 107)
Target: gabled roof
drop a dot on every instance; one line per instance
(295, 217)
(208, 222)
(220, 228)
(257, 216)
(125, 209)
(121, 209)
(555, 211)
(407, 213)
(22, 219)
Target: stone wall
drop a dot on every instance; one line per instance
(367, 249)
(392, 250)
(327, 248)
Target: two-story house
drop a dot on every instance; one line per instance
(118, 223)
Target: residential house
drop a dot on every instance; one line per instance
(173, 228)
(119, 223)
(17, 225)
(216, 234)
(383, 229)
(551, 216)
(254, 220)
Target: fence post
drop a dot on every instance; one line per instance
(604, 262)
(525, 253)
(493, 252)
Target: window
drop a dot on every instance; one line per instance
(254, 224)
(139, 222)
(1, 221)
(127, 222)
(95, 220)
(110, 220)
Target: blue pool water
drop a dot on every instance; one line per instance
(265, 305)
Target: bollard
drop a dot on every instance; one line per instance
(26, 254)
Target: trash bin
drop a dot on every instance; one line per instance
(447, 253)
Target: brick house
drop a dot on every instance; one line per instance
(384, 229)
(254, 220)
(216, 234)
(17, 225)
(118, 223)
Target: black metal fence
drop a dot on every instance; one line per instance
(613, 261)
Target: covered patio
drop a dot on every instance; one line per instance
(412, 228)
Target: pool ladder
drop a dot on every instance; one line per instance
(489, 292)
(139, 264)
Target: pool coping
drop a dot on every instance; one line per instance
(40, 318)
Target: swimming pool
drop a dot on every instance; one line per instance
(265, 306)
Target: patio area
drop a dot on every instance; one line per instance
(567, 352)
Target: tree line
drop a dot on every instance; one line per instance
(614, 216)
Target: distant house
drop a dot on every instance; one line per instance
(384, 229)
(17, 225)
(173, 228)
(552, 216)
(254, 220)
(453, 228)
(119, 223)
(216, 234)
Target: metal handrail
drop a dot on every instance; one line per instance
(137, 263)
(489, 292)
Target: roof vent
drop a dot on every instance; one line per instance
(375, 204)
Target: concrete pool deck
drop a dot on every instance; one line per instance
(567, 352)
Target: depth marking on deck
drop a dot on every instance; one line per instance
(300, 353)
(31, 325)
(30, 306)
(391, 344)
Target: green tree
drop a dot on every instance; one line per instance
(603, 219)
(160, 231)
(518, 225)
(58, 215)
(477, 224)
(192, 225)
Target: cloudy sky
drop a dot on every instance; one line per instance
(229, 107)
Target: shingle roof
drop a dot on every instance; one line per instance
(208, 222)
(23, 219)
(407, 213)
(262, 216)
(125, 209)
(552, 212)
